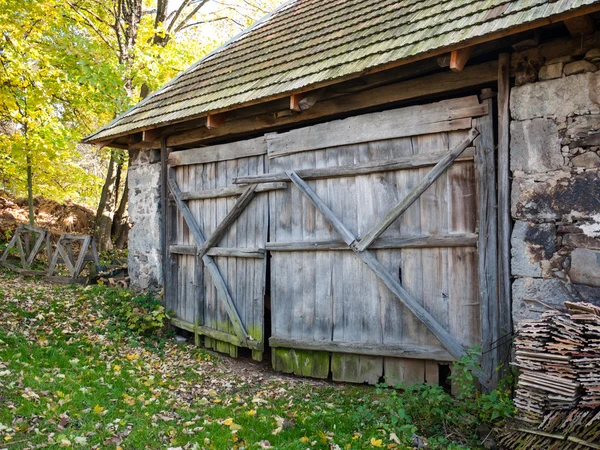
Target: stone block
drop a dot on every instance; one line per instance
(585, 267)
(531, 245)
(535, 146)
(551, 71)
(581, 66)
(556, 196)
(556, 98)
(529, 295)
(561, 59)
(593, 55)
(581, 240)
(587, 160)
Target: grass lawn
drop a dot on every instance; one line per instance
(73, 376)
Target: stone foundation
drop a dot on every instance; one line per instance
(555, 162)
(145, 257)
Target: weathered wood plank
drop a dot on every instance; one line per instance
(455, 348)
(216, 276)
(221, 152)
(487, 248)
(438, 241)
(256, 253)
(504, 215)
(429, 85)
(362, 348)
(376, 127)
(229, 219)
(429, 179)
(216, 334)
(230, 191)
(402, 163)
(82, 254)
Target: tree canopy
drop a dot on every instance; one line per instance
(68, 67)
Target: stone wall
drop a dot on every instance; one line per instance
(144, 215)
(555, 163)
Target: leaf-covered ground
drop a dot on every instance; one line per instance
(71, 377)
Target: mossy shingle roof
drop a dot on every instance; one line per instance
(308, 42)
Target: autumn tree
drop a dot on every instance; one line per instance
(46, 101)
(151, 41)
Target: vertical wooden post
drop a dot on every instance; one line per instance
(164, 222)
(487, 247)
(504, 218)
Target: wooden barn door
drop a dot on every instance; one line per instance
(217, 233)
(375, 270)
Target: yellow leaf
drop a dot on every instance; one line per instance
(376, 442)
(132, 356)
(235, 427)
(117, 368)
(228, 421)
(98, 409)
(252, 412)
(304, 439)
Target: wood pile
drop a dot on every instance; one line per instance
(558, 392)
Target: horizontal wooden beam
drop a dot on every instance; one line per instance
(580, 26)
(221, 152)
(441, 241)
(216, 334)
(425, 86)
(256, 253)
(360, 348)
(295, 101)
(444, 116)
(215, 120)
(404, 163)
(459, 58)
(230, 191)
(151, 135)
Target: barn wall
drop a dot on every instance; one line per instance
(144, 216)
(555, 163)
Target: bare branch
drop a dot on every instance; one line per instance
(190, 15)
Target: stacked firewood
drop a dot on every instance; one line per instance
(558, 392)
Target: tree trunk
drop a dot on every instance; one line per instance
(120, 225)
(106, 207)
(30, 190)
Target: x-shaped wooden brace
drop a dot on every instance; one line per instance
(205, 245)
(384, 275)
(27, 258)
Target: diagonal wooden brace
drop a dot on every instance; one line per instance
(215, 274)
(231, 217)
(447, 340)
(379, 228)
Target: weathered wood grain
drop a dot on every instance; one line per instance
(221, 152)
(445, 338)
(364, 348)
(231, 217)
(429, 179)
(487, 248)
(378, 126)
(230, 191)
(504, 215)
(437, 241)
(365, 168)
(216, 276)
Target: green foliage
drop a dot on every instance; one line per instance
(74, 379)
(448, 420)
(142, 314)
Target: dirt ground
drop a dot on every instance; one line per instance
(59, 218)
